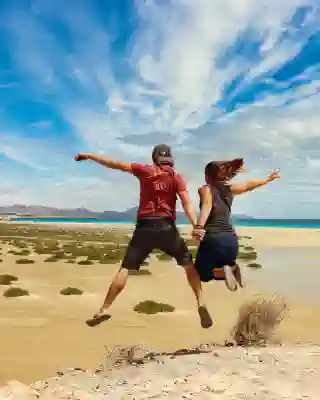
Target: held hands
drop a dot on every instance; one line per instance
(198, 233)
(81, 157)
(274, 175)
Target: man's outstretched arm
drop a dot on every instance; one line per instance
(105, 161)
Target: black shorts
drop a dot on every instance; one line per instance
(155, 233)
(216, 251)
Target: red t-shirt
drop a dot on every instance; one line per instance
(159, 186)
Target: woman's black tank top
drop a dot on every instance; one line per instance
(219, 219)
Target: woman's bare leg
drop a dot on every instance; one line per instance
(230, 279)
(238, 276)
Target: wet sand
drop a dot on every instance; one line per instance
(46, 331)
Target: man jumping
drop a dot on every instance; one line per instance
(155, 228)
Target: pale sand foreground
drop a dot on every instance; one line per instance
(45, 332)
(236, 374)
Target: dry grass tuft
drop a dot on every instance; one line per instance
(257, 321)
(119, 355)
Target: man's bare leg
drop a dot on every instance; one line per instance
(195, 284)
(116, 287)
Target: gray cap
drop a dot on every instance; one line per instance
(162, 154)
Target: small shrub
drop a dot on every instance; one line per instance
(106, 260)
(85, 262)
(15, 292)
(20, 244)
(252, 255)
(51, 259)
(93, 253)
(59, 254)
(254, 265)
(19, 253)
(40, 249)
(152, 307)
(163, 257)
(257, 321)
(70, 291)
(94, 257)
(192, 242)
(25, 261)
(1, 260)
(248, 248)
(7, 279)
(47, 247)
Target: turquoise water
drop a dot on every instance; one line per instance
(272, 223)
(280, 223)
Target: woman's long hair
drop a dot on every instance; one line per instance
(222, 171)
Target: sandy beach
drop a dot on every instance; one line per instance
(45, 331)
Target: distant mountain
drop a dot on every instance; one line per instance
(42, 211)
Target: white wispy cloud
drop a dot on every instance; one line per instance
(173, 88)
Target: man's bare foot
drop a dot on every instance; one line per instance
(237, 274)
(205, 318)
(98, 318)
(230, 279)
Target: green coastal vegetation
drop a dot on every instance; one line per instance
(152, 307)
(71, 291)
(15, 292)
(7, 279)
(85, 247)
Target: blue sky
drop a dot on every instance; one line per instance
(118, 76)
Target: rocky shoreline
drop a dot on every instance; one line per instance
(271, 373)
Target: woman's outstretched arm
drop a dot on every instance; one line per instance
(239, 188)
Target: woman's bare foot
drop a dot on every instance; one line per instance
(230, 279)
(238, 276)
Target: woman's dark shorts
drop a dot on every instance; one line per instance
(155, 233)
(215, 251)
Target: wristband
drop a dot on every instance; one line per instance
(199, 226)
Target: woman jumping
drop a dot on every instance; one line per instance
(218, 250)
